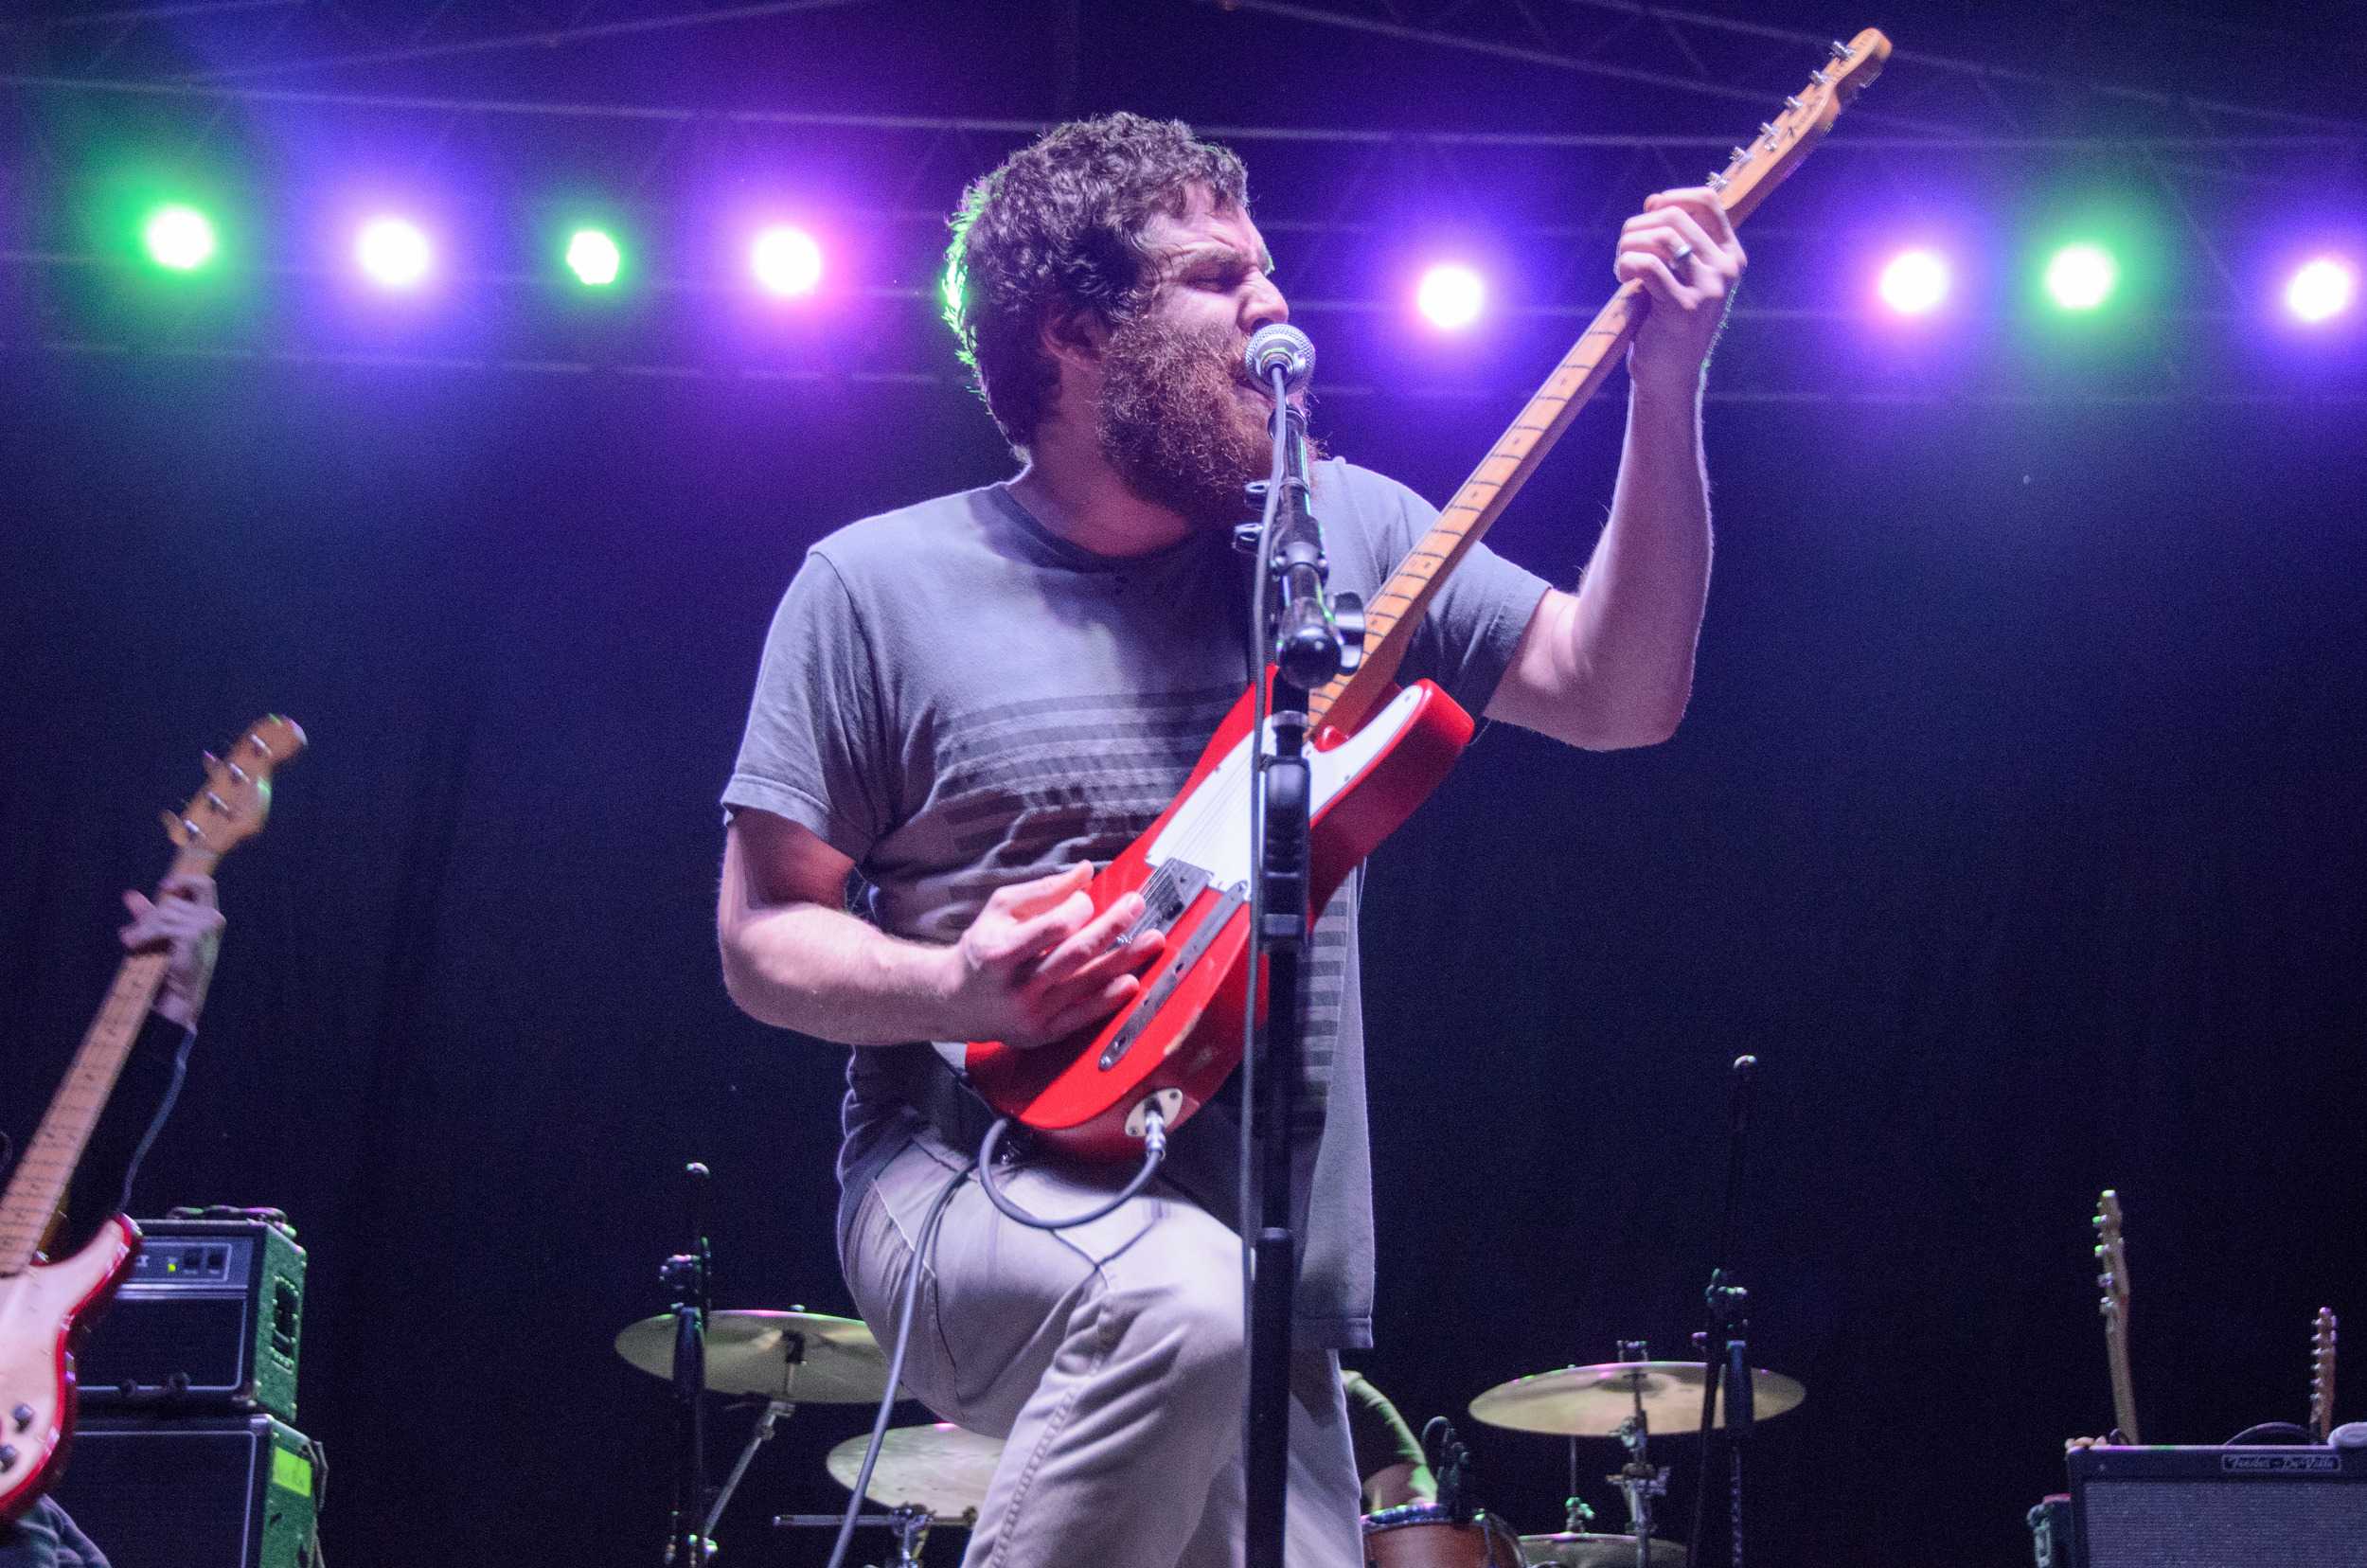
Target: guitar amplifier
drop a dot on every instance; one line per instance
(2219, 1507)
(208, 1319)
(193, 1491)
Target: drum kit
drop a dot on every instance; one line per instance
(936, 1476)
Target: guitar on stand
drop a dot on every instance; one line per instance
(2112, 1277)
(2322, 1376)
(46, 1305)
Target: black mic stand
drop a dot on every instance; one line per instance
(1724, 1345)
(1299, 633)
(685, 1275)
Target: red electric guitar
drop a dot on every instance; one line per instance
(44, 1306)
(1378, 753)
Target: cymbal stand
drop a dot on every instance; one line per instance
(1639, 1480)
(774, 1410)
(685, 1275)
(909, 1522)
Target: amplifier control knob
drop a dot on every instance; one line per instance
(7, 1456)
(21, 1416)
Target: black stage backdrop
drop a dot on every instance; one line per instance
(2015, 829)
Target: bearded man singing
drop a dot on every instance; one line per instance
(974, 700)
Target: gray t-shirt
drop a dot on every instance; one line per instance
(955, 699)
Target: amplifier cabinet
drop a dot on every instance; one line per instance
(193, 1491)
(208, 1319)
(2219, 1507)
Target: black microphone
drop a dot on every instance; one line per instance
(1275, 347)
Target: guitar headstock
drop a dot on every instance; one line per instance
(2321, 1376)
(236, 798)
(2111, 1259)
(1758, 167)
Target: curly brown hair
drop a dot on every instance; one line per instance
(1059, 225)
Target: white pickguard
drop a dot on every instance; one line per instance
(1210, 828)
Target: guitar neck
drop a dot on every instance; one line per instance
(2124, 1387)
(1754, 170)
(1393, 615)
(2321, 1376)
(38, 1185)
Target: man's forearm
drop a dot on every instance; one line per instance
(1639, 605)
(824, 972)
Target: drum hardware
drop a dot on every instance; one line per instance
(794, 1357)
(942, 1469)
(1639, 1480)
(780, 1359)
(1423, 1534)
(1594, 1401)
(1576, 1549)
(910, 1524)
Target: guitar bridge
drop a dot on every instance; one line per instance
(1171, 973)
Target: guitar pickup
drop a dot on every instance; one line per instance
(1171, 973)
(1165, 897)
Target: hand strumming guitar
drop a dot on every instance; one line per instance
(1037, 963)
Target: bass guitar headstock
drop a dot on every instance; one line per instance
(2111, 1261)
(232, 805)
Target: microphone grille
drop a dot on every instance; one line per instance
(1283, 348)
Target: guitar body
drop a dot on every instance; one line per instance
(1180, 1036)
(44, 1311)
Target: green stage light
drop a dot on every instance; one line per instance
(593, 257)
(2082, 277)
(179, 237)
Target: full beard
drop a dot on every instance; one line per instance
(1181, 422)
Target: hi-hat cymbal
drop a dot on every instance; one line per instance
(941, 1469)
(1591, 1402)
(798, 1358)
(1596, 1551)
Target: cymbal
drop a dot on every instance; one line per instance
(1596, 1551)
(798, 1358)
(1591, 1402)
(942, 1468)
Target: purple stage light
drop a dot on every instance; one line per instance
(2323, 289)
(393, 252)
(1914, 284)
(1450, 295)
(787, 261)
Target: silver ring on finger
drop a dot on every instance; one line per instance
(1679, 257)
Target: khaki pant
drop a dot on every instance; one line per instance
(1110, 1357)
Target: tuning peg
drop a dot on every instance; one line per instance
(217, 803)
(1719, 182)
(1839, 51)
(1792, 105)
(1823, 78)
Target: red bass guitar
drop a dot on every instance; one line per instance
(1378, 753)
(44, 1306)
